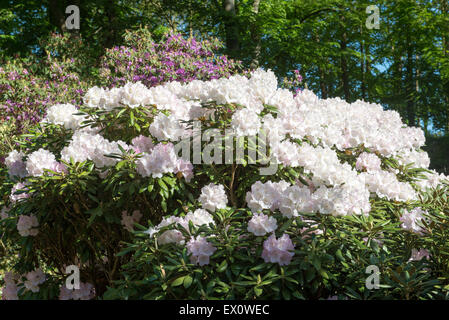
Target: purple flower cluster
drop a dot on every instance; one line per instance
(174, 58)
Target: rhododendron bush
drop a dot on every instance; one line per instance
(29, 86)
(165, 193)
(155, 62)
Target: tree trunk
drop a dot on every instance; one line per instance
(411, 112)
(445, 12)
(343, 61)
(362, 71)
(255, 35)
(111, 14)
(344, 68)
(322, 75)
(231, 28)
(56, 14)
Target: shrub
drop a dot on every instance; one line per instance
(173, 58)
(68, 67)
(28, 86)
(139, 189)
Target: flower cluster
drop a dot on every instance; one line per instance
(27, 225)
(213, 197)
(29, 281)
(18, 192)
(417, 255)
(278, 250)
(86, 291)
(87, 146)
(261, 224)
(292, 199)
(200, 250)
(172, 58)
(34, 279)
(368, 162)
(65, 115)
(163, 159)
(198, 218)
(128, 221)
(39, 161)
(9, 291)
(411, 220)
(15, 164)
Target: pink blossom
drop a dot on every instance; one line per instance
(278, 250)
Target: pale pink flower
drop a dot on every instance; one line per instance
(27, 225)
(410, 220)
(261, 224)
(85, 292)
(200, 250)
(419, 254)
(128, 221)
(278, 250)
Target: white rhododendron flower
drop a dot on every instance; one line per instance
(287, 153)
(142, 144)
(415, 158)
(185, 168)
(15, 164)
(200, 250)
(40, 160)
(168, 236)
(386, 185)
(86, 146)
(65, 115)
(410, 220)
(27, 225)
(128, 220)
(167, 128)
(213, 197)
(433, 179)
(162, 159)
(10, 289)
(263, 84)
(296, 199)
(18, 192)
(368, 162)
(265, 195)
(134, 94)
(86, 291)
(198, 217)
(34, 279)
(278, 250)
(417, 255)
(95, 97)
(261, 224)
(245, 122)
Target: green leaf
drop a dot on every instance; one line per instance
(178, 282)
(187, 281)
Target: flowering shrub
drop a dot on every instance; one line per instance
(164, 192)
(171, 59)
(29, 86)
